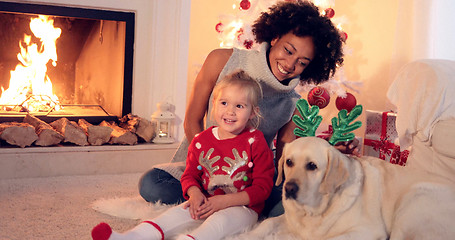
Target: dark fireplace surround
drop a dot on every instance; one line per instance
(95, 58)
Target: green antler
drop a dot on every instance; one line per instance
(309, 121)
(342, 131)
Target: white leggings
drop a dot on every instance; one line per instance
(223, 223)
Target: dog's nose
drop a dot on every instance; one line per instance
(291, 189)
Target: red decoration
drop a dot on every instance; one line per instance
(347, 103)
(245, 4)
(344, 36)
(319, 96)
(219, 27)
(329, 12)
(248, 44)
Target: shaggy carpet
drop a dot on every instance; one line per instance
(60, 207)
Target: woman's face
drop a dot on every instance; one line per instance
(290, 55)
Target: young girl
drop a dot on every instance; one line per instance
(228, 176)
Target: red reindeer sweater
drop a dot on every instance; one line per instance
(243, 163)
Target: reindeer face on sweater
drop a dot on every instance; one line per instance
(222, 174)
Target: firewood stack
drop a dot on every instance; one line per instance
(33, 131)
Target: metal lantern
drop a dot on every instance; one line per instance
(164, 122)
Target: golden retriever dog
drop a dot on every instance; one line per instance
(330, 195)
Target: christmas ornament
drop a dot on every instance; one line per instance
(248, 44)
(319, 96)
(344, 36)
(329, 12)
(347, 102)
(245, 4)
(219, 27)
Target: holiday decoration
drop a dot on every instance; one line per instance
(319, 96)
(344, 36)
(164, 120)
(342, 129)
(309, 121)
(347, 102)
(248, 44)
(245, 4)
(219, 27)
(381, 138)
(329, 12)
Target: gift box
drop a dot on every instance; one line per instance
(381, 138)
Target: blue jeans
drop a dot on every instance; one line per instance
(158, 185)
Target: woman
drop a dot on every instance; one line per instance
(297, 44)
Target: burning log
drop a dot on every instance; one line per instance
(120, 135)
(19, 134)
(143, 128)
(47, 135)
(97, 135)
(71, 131)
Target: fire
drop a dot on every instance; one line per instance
(30, 87)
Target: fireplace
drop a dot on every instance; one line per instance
(89, 68)
(161, 38)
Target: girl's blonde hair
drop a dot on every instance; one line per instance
(251, 86)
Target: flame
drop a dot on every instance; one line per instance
(30, 86)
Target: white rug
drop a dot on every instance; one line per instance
(137, 208)
(130, 208)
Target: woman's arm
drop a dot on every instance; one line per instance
(285, 135)
(201, 91)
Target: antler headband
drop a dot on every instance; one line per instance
(310, 120)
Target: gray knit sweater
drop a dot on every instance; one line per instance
(277, 105)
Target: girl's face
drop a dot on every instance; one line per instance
(290, 55)
(232, 110)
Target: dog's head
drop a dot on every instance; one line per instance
(313, 170)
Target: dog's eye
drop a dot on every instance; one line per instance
(289, 162)
(311, 166)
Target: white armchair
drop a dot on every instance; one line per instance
(424, 94)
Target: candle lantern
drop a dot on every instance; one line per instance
(164, 123)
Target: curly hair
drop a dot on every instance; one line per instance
(303, 19)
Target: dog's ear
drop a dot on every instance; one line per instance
(336, 172)
(279, 178)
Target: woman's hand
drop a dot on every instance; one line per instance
(350, 147)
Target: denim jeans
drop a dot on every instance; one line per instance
(158, 185)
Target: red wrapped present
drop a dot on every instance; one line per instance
(381, 138)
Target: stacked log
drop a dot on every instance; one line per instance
(143, 128)
(18, 134)
(97, 135)
(71, 132)
(47, 135)
(120, 135)
(33, 131)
